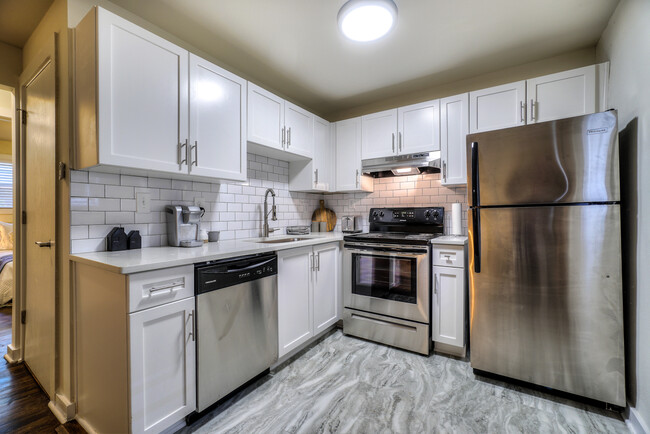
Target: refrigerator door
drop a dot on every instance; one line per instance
(572, 160)
(546, 306)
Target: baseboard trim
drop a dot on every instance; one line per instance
(57, 412)
(13, 354)
(85, 425)
(635, 422)
(69, 409)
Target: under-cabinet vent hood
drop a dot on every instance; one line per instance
(400, 165)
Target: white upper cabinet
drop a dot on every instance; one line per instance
(497, 107)
(277, 128)
(316, 174)
(379, 134)
(299, 125)
(140, 98)
(217, 146)
(348, 157)
(562, 95)
(454, 125)
(265, 118)
(419, 128)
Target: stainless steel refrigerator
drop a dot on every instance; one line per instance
(545, 255)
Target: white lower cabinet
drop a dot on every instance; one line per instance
(308, 293)
(449, 300)
(163, 365)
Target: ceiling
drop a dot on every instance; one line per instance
(18, 19)
(294, 46)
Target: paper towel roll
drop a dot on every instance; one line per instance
(456, 226)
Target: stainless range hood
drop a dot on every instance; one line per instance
(400, 165)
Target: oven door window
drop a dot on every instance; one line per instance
(387, 277)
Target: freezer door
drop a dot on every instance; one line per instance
(572, 160)
(546, 306)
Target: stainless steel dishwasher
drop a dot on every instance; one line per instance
(237, 323)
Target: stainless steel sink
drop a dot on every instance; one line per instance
(281, 240)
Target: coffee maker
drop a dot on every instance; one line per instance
(183, 225)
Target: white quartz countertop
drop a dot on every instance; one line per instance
(152, 258)
(450, 239)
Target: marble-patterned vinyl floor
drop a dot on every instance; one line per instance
(348, 385)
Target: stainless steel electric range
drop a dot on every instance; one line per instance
(386, 277)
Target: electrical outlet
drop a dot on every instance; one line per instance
(143, 202)
(200, 201)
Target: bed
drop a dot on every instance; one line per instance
(6, 263)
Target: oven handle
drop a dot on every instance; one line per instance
(392, 254)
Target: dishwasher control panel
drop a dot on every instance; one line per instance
(215, 275)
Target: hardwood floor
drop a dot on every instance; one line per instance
(23, 405)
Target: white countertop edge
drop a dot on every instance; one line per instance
(458, 240)
(154, 258)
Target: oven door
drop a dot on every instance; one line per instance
(387, 280)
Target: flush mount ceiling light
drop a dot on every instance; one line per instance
(367, 20)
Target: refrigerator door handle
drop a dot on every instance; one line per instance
(476, 239)
(475, 184)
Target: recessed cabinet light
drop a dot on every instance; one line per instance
(367, 20)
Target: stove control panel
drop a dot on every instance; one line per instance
(433, 215)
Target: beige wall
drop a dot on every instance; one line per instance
(11, 64)
(54, 22)
(563, 62)
(626, 44)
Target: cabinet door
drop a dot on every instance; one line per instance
(454, 126)
(497, 107)
(449, 306)
(299, 130)
(562, 95)
(265, 117)
(143, 97)
(379, 134)
(217, 122)
(323, 155)
(327, 262)
(163, 365)
(419, 128)
(348, 154)
(295, 324)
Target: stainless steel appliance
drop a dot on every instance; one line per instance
(386, 277)
(237, 323)
(400, 165)
(183, 225)
(545, 255)
(350, 224)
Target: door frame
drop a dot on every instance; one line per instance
(45, 57)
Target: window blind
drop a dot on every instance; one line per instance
(6, 185)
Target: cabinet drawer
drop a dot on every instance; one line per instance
(448, 255)
(153, 288)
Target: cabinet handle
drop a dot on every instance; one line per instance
(532, 110)
(180, 154)
(318, 262)
(393, 142)
(435, 283)
(311, 262)
(316, 176)
(190, 317)
(357, 179)
(444, 171)
(283, 136)
(288, 137)
(399, 145)
(522, 111)
(196, 154)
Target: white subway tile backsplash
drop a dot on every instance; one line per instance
(86, 218)
(133, 181)
(78, 232)
(86, 190)
(101, 204)
(123, 192)
(103, 178)
(78, 176)
(120, 218)
(181, 185)
(159, 183)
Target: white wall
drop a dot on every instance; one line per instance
(626, 44)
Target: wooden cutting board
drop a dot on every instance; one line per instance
(323, 214)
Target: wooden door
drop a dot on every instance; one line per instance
(295, 324)
(217, 122)
(163, 365)
(419, 127)
(497, 107)
(143, 97)
(379, 134)
(299, 125)
(454, 125)
(40, 207)
(449, 306)
(327, 285)
(562, 95)
(265, 118)
(348, 154)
